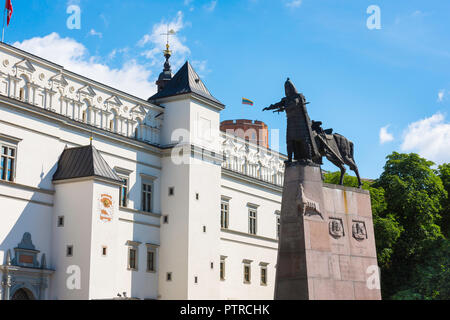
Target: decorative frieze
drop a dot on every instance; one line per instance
(252, 160)
(28, 79)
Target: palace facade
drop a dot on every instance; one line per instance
(107, 196)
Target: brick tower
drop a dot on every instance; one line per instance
(256, 131)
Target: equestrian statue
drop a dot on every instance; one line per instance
(306, 141)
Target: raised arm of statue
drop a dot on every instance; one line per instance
(278, 107)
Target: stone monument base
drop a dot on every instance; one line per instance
(327, 245)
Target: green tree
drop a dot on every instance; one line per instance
(413, 194)
(444, 174)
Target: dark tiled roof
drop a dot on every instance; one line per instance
(186, 80)
(83, 162)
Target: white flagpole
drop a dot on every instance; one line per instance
(3, 32)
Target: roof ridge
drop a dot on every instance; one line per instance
(83, 162)
(186, 80)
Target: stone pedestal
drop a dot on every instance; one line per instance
(327, 247)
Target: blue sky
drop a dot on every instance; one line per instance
(385, 89)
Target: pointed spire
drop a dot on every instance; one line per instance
(166, 75)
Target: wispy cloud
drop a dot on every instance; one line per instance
(385, 136)
(429, 137)
(157, 41)
(211, 6)
(293, 3)
(95, 33)
(441, 95)
(188, 3)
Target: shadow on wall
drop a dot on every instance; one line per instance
(33, 217)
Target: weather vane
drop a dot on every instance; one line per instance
(169, 33)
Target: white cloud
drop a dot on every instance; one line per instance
(385, 136)
(131, 77)
(201, 67)
(211, 6)
(293, 3)
(441, 95)
(95, 33)
(430, 138)
(158, 42)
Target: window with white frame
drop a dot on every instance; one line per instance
(224, 213)
(278, 223)
(151, 257)
(252, 220)
(247, 271)
(8, 156)
(133, 255)
(123, 196)
(124, 175)
(263, 269)
(222, 268)
(147, 192)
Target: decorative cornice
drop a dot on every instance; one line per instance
(251, 180)
(248, 235)
(27, 188)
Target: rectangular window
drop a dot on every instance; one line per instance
(123, 196)
(278, 227)
(150, 260)
(61, 221)
(264, 276)
(69, 251)
(222, 269)
(169, 276)
(7, 163)
(147, 197)
(224, 214)
(247, 276)
(252, 221)
(104, 251)
(132, 258)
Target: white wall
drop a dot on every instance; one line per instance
(74, 202)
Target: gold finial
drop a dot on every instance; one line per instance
(169, 33)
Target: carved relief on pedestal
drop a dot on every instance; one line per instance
(306, 206)
(336, 228)
(359, 230)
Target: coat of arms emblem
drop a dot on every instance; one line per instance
(359, 230)
(336, 228)
(106, 208)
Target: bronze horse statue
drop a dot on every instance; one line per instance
(306, 140)
(336, 148)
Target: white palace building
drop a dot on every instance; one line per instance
(107, 196)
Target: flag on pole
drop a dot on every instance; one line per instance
(9, 8)
(247, 101)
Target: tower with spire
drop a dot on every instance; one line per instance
(166, 75)
(191, 237)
